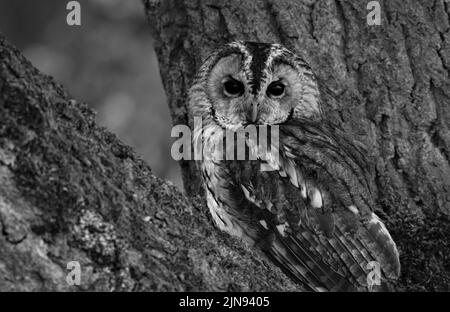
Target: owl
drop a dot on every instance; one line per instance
(312, 213)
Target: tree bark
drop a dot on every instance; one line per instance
(71, 191)
(387, 84)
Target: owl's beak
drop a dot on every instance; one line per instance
(254, 112)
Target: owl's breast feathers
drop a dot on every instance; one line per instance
(312, 215)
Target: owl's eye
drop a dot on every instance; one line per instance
(275, 89)
(233, 87)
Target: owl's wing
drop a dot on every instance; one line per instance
(318, 224)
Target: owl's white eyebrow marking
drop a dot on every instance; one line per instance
(247, 58)
(275, 52)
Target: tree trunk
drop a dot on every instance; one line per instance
(388, 84)
(70, 191)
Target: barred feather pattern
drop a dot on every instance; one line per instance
(313, 216)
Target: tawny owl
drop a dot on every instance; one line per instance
(312, 212)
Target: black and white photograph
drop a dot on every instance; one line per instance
(225, 154)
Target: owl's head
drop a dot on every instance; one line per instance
(254, 83)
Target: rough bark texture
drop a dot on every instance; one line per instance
(70, 191)
(388, 84)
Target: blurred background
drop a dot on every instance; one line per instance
(108, 62)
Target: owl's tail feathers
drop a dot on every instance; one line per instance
(361, 241)
(361, 260)
(304, 266)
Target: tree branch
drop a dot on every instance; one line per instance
(71, 191)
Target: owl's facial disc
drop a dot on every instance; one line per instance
(242, 93)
